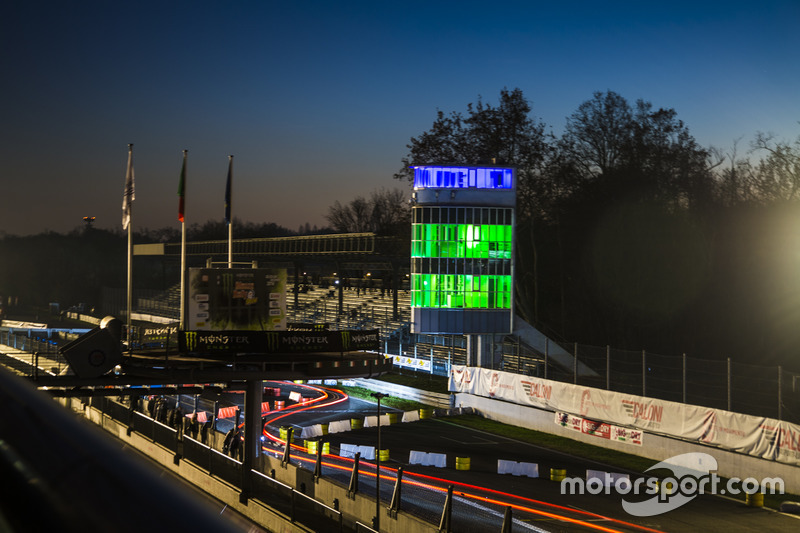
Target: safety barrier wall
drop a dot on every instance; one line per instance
(292, 492)
(654, 446)
(399, 391)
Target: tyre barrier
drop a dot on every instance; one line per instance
(462, 463)
(279, 404)
(754, 500)
(425, 413)
(394, 418)
(324, 428)
(384, 455)
(356, 423)
(284, 432)
(313, 445)
(669, 487)
(558, 474)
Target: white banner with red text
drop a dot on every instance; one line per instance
(757, 436)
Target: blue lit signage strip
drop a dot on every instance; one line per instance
(463, 177)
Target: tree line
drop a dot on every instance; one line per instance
(631, 234)
(628, 232)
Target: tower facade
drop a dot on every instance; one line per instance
(462, 250)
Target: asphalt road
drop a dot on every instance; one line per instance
(549, 509)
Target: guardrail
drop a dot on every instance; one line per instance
(434, 399)
(79, 477)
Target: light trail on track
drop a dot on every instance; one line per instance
(474, 494)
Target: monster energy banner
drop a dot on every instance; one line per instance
(160, 335)
(267, 342)
(236, 299)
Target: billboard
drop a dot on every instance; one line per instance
(278, 342)
(236, 299)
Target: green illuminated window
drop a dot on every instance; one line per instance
(461, 291)
(461, 257)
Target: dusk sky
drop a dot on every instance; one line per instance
(317, 100)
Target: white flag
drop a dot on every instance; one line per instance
(129, 195)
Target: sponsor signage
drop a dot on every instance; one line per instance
(265, 342)
(412, 362)
(236, 299)
(598, 429)
(626, 416)
(160, 335)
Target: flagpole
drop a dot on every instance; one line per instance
(127, 216)
(130, 282)
(229, 202)
(182, 206)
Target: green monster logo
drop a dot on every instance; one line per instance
(345, 340)
(191, 340)
(227, 284)
(272, 341)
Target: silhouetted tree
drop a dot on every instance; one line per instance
(386, 212)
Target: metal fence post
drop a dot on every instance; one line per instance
(683, 380)
(644, 373)
(729, 383)
(447, 512)
(352, 489)
(394, 506)
(575, 364)
(546, 355)
(780, 392)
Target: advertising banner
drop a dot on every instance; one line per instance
(269, 342)
(412, 362)
(599, 429)
(752, 435)
(163, 335)
(236, 299)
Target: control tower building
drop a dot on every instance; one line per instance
(462, 252)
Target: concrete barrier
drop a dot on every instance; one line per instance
(790, 507)
(438, 460)
(339, 426)
(309, 432)
(411, 416)
(516, 468)
(606, 479)
(656, 447)
(372, 421)
(360, 507)
(350, 450)
(435, 399)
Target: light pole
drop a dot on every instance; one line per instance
(378, 396)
